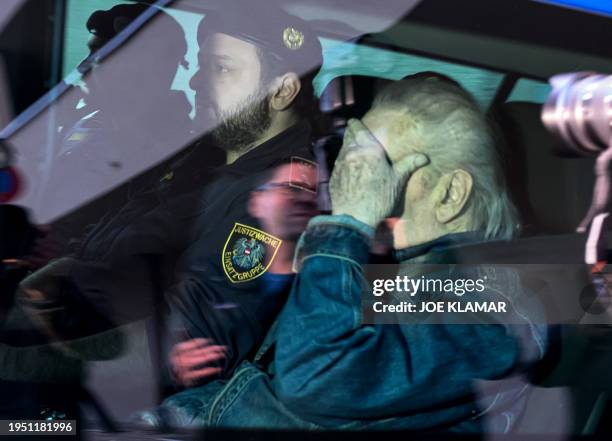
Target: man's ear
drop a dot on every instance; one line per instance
(286, 88)
(455, 189)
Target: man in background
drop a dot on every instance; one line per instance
(283, 205)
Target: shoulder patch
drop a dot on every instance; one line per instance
(244, 254)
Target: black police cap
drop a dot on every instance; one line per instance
(107, 24)
(287, 38)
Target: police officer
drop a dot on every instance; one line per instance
(35, 375)
(254, 88)
(124, 104)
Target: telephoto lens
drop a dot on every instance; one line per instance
(579, 111)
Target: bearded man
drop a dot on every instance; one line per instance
(254, 93)
(249, 87)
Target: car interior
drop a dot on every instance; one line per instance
(502, 52)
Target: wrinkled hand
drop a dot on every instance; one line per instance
(364, 184)
(191, 359)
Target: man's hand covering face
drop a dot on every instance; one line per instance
(364, 184)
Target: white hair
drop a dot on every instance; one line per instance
(455, 134)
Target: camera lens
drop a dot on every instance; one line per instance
(579, 111)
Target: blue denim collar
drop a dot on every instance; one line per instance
(439, 250)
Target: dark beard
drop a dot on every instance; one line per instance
(239, 130)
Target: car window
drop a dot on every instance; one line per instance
(346, 58)
(75, 31)
(76, 35)
(127, 168)
(530, 90)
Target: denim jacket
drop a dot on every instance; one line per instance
(331, 371)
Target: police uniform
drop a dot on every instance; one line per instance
(35, 376)
(203, 250)
(221, 289)
(221, 275)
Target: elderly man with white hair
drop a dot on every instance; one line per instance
(426, 153)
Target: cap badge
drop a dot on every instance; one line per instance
(293, 38)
